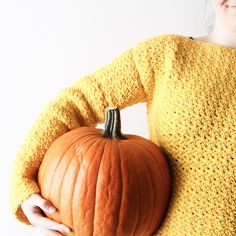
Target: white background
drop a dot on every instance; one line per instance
(48, 44)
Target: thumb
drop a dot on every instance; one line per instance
(44, 204)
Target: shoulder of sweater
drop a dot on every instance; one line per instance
(161, 43)
(161, 40)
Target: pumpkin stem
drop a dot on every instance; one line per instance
(112, 126)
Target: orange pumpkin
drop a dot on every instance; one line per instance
(105, 183)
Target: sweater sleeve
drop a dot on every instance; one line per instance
(127, 80)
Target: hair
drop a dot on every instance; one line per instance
(209, 16)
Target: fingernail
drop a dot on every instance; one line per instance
(67, 230)
(51, 209)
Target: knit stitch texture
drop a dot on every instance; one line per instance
(189, 88)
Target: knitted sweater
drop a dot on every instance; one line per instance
(189, 88)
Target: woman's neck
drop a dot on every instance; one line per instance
(223, 36)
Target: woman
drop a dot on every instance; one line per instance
(189, 87)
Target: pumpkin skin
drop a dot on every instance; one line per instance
(105, 183)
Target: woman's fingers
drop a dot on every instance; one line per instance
(43, 222)
(45, 205)
(48, 232)
(33, 208)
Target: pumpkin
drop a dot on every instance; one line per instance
(104, 182)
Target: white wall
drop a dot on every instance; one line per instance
(46, 45)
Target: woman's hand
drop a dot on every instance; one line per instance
(32, 209)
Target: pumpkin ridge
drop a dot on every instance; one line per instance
(97, 141)
(159, 172)
(96, 187)
(44, 165)
(71, 195)
(155, 160)
(51, 194)
(107, 188)
(62, 184)
(76, 182)
(63, 181)
(137, 189)
(72, 200)
(121, 180)
(110, 197)
(121, 174)
(151, 154)
(60, 140)
(151, 181)
(61, 155)
(54, 176)
(135, 158)
(105, 206)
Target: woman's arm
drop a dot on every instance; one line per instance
(127, 80)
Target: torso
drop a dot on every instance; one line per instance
(192, 117)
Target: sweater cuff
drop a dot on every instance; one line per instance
(16, 201)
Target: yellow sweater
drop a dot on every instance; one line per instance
(190, 91)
